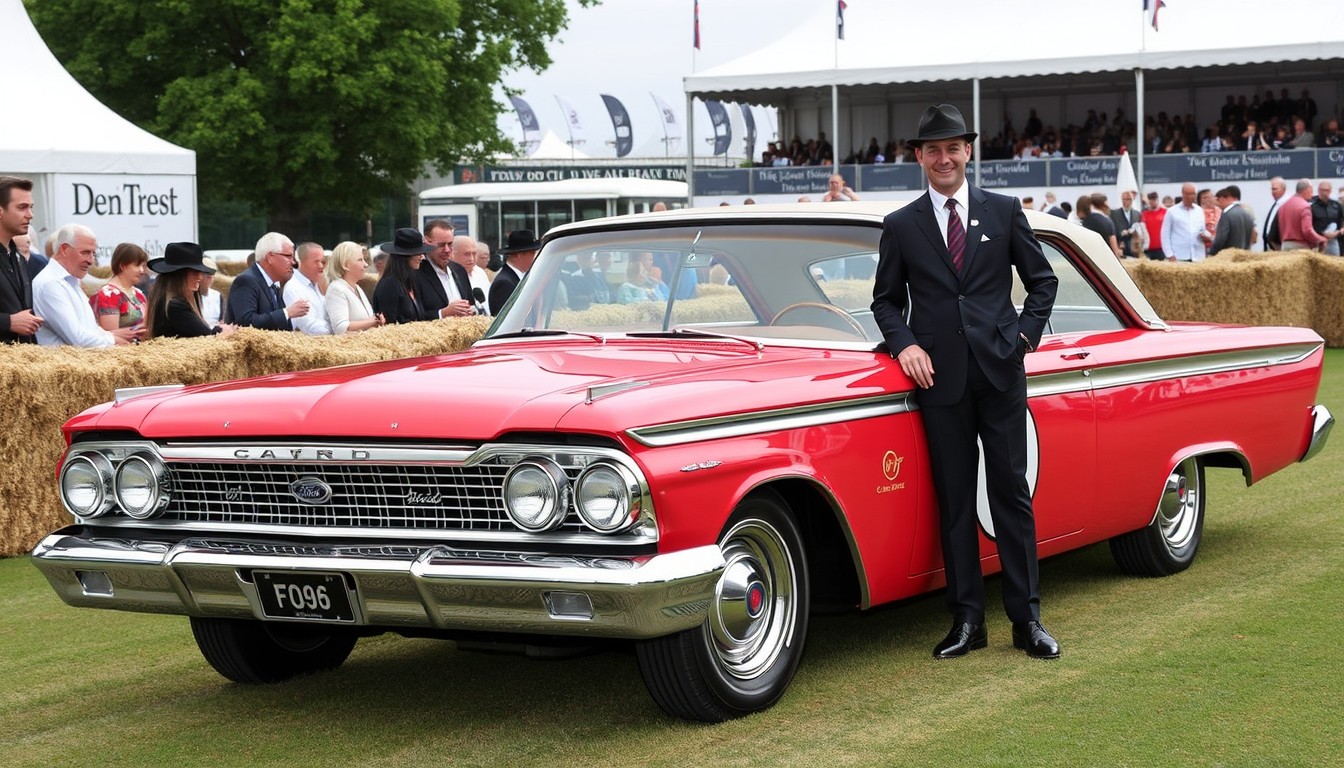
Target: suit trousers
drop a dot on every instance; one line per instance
(999, 420)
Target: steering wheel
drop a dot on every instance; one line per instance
(849, 320)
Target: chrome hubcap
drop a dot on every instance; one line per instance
(755, 600)
(1178, 511)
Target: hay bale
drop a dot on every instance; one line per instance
(46, 386)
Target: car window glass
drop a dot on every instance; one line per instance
(776, 281)
(1078, 306)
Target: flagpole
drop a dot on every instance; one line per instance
(1141, 139)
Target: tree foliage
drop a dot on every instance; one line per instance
(305, 104)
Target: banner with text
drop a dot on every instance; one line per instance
(150, 211)
(490, 174)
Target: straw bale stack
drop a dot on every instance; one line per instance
(46, 386)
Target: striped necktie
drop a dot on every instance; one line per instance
(956, 235)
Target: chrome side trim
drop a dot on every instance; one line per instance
(742, 424)
(1106, 377)
(1321, 423)
(120, 396)
(431, 586)
(1064, 382)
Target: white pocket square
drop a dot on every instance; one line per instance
(984, 238)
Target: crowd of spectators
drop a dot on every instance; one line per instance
(1254, 124)
(1204, 222)
(302, 288)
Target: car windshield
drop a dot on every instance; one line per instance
(775, 281)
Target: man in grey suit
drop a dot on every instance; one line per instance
(949, 259)
(1236, 223)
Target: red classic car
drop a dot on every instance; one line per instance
(680, 432)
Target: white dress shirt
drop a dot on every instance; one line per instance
(346, 304)
(66, 315)
(940, 208)
(479, 279)
(449, 284)
(315, 322)
(211, 308)
(1180, 233)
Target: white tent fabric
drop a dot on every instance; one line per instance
(74, 133)
(552, 147)
(905, 42)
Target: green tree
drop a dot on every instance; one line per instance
(299, 105)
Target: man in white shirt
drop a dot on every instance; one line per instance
(464, 255)
(1181, 227)
(62, 304)
(309, 284)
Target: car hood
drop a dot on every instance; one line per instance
(573, 385)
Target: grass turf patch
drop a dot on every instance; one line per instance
(1233, 662)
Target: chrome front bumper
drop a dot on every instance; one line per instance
(394, 587)
(1321, 423)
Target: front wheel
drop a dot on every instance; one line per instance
(744, 656)
(1168, 544)
(248, 651)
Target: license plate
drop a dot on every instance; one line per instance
(306, 596)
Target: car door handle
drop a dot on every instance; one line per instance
(1075, 355)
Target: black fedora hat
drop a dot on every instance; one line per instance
(941, 121)
(521, 240)
(181, 256)
(406, 241)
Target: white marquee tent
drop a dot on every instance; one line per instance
(87, 163)
(897, 57)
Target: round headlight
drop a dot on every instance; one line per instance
(606, 496)
(86, 485)
(536, 494)
(142, 486)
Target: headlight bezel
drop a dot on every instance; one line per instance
(553, 479)
(159, 485)
(103, 471)
(629, 486)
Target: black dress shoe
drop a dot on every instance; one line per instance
(964, 638)
(1031, 637)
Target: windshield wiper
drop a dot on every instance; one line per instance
(675, 332)
(524, 332)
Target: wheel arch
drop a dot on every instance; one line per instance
(1220, 456)
(837, 572)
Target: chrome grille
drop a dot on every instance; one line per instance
(434, 497)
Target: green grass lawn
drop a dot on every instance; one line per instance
(1236, 662)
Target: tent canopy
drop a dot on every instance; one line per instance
(74, 132)
(912, 52)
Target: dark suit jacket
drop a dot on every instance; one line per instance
(253, 303)
(501, 288)
(1273, 241)
(16, 295)
(1234, 230)
(949, 313)
(429, 288)
(36, 263)
(391, 299)
(178, 320)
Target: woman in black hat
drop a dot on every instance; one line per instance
(173, 307)
(394, 296)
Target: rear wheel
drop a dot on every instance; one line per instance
(744, 656)
(1168, 544)
(247, 651)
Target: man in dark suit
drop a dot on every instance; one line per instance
(1235, 224)
(17, 322)
(442, 284)
(955, 249)
(1273, 242)
(255, 299)
(519, 254)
